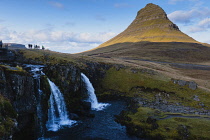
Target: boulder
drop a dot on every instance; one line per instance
(192, 85)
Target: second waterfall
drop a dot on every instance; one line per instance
(57, 113)
(95, 105)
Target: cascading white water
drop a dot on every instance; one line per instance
(57, 113)
(92, 96)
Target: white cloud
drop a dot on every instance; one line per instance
(204, 23)
(189, 16)
(195, 29)
(70, 47)
(181, 16)
(56, 40)
(98, 37)
(56, 4)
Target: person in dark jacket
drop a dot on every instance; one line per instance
(1, 44)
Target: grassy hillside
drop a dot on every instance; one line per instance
(158, 51)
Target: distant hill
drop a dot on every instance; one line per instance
(151, 24)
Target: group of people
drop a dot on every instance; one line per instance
(30, 46)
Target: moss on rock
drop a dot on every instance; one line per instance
(7, 117)
(155, 124)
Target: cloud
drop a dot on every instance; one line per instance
(71, 47)
(56, 40)
(56, 4)
(189, 16)
(68, 23)
(1, 20)
(175, 1)
(204, 23)
(100, 18)
(96, 38)
(196, 29)
(122, 5)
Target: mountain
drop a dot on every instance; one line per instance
(152, 36)
(151, 24)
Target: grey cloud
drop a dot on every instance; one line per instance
(122, 5)
(196, 29)
(203, 25)
(56, 4)
(1, 20)
(175, 1)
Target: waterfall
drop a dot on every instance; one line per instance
(57, 113)
(36, 71)
(92, 96)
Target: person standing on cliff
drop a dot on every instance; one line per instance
(1, 44)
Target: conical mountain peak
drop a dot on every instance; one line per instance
(151, 24)
(151, 11)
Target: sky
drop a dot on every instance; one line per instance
(73, 26)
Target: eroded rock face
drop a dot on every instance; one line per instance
(18, 87)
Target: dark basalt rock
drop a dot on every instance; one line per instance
(18, 87)
(191, 84)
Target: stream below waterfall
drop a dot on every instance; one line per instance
(101, 127)
(60, 127)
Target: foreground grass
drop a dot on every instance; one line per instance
(153, 124)
(147, 85)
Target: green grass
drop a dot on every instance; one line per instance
(17, 70)
(197, 128)
(125, 82)
(46, 57)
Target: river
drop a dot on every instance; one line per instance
(101, 127)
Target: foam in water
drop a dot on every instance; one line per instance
(92, 96)
(57, 113)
